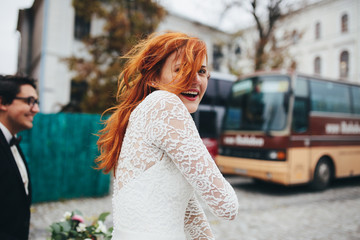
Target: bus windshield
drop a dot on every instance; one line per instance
(259, 104)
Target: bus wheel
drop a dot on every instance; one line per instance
(322, 175)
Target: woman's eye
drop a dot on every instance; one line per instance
(177, 70)
(202, 71)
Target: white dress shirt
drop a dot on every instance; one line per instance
(18, 159)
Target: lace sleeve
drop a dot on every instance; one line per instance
(172, 129)
(196, 224)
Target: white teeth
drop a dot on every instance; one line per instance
(190, 92)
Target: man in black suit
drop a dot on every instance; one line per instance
(18, 106)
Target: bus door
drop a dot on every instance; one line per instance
(299, 147)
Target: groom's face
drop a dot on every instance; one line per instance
(19, 114)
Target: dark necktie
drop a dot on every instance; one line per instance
(15, 141)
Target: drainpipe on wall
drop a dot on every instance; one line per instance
(43, 54)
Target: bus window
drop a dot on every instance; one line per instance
(207, 124)
(355, 93)
(330, 97)
(210, 94)
(300, 111)
(258, 104)
(300, 115)
(224, 91)
(217, 92)
(301, 87)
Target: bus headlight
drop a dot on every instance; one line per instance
(277, 155)
(272, 155)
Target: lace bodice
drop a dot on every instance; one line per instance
(162, 167)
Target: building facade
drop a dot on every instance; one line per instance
(51, 31)
(324, 40)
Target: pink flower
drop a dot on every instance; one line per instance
(78, 218)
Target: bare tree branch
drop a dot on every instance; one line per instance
(257, 19)
(274, 14)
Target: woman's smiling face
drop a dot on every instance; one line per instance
(192, 97)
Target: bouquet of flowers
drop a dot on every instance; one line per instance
(73, 227)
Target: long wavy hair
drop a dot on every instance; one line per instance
(138, 79)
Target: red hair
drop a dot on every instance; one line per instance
(138, 79)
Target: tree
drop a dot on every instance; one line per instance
(125, 22)
(267, 50)
(265, 32)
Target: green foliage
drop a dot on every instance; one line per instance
(86, 9)
(73, 227)
(125, 22)
(103, 216)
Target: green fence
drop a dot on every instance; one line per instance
(60, 150)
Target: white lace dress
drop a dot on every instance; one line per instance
(162, 166)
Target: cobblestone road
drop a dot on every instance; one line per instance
(266, 212)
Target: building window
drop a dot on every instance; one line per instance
(82, 27)
(295, 37)
(344, 64)
(217, 56)
(317, 30)
(344, 23)
(317, 65)
(237, 49)
(77, 93)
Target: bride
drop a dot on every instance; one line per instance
(151, 143)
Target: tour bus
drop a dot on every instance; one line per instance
(211, 110)
(290, 128)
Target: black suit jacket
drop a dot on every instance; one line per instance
(14, 202)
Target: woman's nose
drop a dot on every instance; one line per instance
(197, 78)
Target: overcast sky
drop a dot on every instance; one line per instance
(206, 11)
